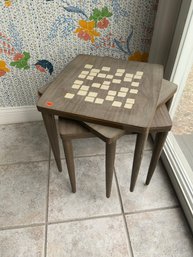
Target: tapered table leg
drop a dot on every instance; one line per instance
(110, 158)
(50, 125)
(159, 142)
(138, 154)
(68, 151)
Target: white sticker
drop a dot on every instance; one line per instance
(69, 96)
(79, 82)
(89, 99)
(112, 92)
(88, 66)
(116, 104)
(129, 75)
(128, 79)
(76, 86)
(106, 83)
(90, 78)
(80, 92)
(82, 76)
(137, 77)
(130, 101)
(97, 85)
(139, 73)
(85, 72)
(135, 84)
(106, 68)
(119, 74)
(95, 70)
(92, 94)
(122, 94)
(99, 101)
(109, 77)
(102, 75)
(93, 74)
(128, 106)
(110, 98)
(133, 91)
(124, 89)
(104, 87)
(85, 88)
(120, 70)
(116, 81)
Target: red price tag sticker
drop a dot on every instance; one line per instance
(49, 104)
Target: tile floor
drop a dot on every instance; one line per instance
(39, 216)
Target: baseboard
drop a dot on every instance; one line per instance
(19, 114)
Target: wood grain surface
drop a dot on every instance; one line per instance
(168, 89)
(138, 119)
(161, 122)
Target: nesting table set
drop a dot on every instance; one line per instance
(110, 98)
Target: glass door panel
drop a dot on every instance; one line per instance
(183, 121)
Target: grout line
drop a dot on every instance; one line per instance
(47, 205)
(153, 210)
(91, 155)
(27, 162)
(61, 222)
(81, 156)
(146, 150)
(77, 157)
(103, 154)
(18, 123)
(124, 218)
(95, 155)
(84, 219)
(62, 158)
(23, 226)
(49, 156)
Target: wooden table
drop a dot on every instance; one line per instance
(105, 91)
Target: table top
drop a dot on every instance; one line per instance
(106, 91)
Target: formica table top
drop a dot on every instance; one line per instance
(105, 91)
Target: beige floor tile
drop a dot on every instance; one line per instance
(126, 144)
(88, 146)
(89, 238)
(95, 146)
(23, 142)
(84, 147)
(25, 242)
(161, 233)
(158, 194)
(89, 200)
(23, 189)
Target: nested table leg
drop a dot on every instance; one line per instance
(68, 151)
(159, 142)
(110, 158)
(50, 124)
(138, 154)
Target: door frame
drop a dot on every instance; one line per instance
(179, 171)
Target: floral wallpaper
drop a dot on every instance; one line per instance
(39, 37)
